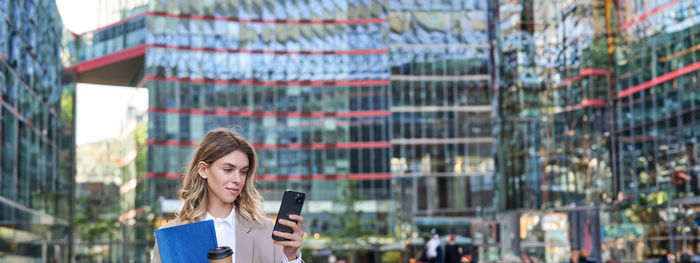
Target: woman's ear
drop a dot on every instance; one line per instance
(202, 169)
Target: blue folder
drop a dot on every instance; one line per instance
(186, 243)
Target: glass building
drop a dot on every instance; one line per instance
(585, 111)
(555, 122)
(307, 82)
(441, 156)
(377, 92)
(596, 108)
(657, 130)
(309, 89)
(36, 131)
(571, 123)
(296, 83)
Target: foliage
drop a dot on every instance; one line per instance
(67, 102)
(349, 232)
(391, 257)
(88, 221)
(141, 137)
(306, 254)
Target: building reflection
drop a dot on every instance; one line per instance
(597, 111)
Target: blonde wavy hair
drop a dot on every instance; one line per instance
(194, 191)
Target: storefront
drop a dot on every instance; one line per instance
(544, 235)
(638, 233)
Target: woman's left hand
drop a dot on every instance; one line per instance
(291, 246)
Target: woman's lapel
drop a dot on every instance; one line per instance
(245, 241)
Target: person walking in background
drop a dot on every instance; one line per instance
(453, 252)
(667, 258)
(685, 258)
(219, 185)
(433, 250)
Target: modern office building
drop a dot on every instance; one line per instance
(305, 82)
(555, 120)
(295, 83)
(571, 123)
(598, 119)
(441, 156)
(657, 131)
(36, 131)
(379, 92)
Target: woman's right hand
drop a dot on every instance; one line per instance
(291, 246)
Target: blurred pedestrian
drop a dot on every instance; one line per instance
(667, 258)
(453, 252)
(685, 257)
(433, 250)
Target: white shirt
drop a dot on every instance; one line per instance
(225, 229)
(433, 245)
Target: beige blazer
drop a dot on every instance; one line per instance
(253, 244)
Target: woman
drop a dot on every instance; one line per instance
(219, 185)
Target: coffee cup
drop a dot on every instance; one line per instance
(220, 255)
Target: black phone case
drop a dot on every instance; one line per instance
(291, 205)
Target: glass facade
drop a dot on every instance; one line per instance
(441, 156)
(122, 26)
(307, 82)
(122, 36)
(596, 113)
(36, 132)
(519, 99)
(571, 122)
(378, 92)
(657, 131)
(555, 121)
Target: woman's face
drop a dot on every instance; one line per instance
(225, 176)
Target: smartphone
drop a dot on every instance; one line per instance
(292, 202)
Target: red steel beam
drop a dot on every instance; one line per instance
(663, 78)
(223, 112)
(276, 177)
(109, 59)
(646, 15)
(373, 82)
(340, 145)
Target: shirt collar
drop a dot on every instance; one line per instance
(231, 218)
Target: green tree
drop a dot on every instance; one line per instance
(349, 233)
(141, 137)
(391, 257)
(88, 220)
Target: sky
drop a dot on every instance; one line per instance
(100, 109)
(78, 16)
